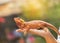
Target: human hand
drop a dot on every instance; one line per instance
(44, 32)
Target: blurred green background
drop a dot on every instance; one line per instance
(47, 10)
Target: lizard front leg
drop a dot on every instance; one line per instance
(26, 29)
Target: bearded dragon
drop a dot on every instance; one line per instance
(35, 24)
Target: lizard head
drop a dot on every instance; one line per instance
(19, 22)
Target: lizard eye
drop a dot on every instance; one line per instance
(21, 20)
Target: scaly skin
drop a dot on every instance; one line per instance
(35, 24)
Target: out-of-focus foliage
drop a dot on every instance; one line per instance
(47, 10)
(34, 9)
(53, 16)
(37, 9)
(40, 40)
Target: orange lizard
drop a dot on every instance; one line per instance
(35, 24)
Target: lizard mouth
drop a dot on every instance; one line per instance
(17, 19)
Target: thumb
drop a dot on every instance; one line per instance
(46, 29)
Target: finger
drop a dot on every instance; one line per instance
(46, 29)
(19, 30)
(37, 32)
(25, 33)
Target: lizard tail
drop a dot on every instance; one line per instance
(52, 27)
